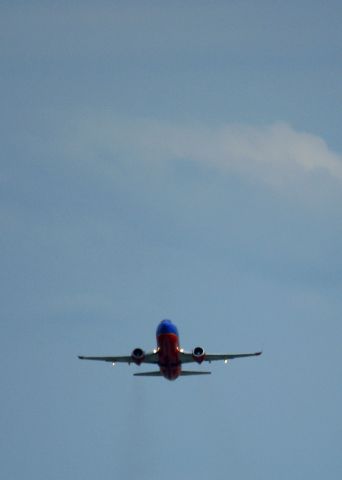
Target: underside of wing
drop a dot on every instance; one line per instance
(188, 357)
(122, 359)
(211, 357)
(149, 357)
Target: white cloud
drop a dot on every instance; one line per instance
(277, 155)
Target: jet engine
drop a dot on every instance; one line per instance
(138, 356)
(198, 354)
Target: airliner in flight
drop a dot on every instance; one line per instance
(169, 356)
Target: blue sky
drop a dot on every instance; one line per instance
(175, 161)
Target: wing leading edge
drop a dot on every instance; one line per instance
(150, 357)
(187, 357)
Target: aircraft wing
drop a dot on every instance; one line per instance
(149, 357)
(187, 357)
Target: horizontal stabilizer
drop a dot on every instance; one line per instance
(148, 374)
(189, 372)
(159, 374)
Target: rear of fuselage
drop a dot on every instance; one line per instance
(168, 350)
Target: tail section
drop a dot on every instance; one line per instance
(159, 374)
(148, 374)
(191, 372)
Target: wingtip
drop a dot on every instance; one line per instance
(258, 353)
(80, 357)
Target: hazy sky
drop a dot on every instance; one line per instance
(174, 160)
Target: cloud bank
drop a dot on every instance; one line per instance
(276, 155)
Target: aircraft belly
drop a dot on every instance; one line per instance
(168, 351)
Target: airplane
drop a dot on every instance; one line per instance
(169, 356)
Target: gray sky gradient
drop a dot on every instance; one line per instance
(175, 161)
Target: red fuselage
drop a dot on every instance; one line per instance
(168, 352)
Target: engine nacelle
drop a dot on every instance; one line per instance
(138, 356)
(198, 354)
